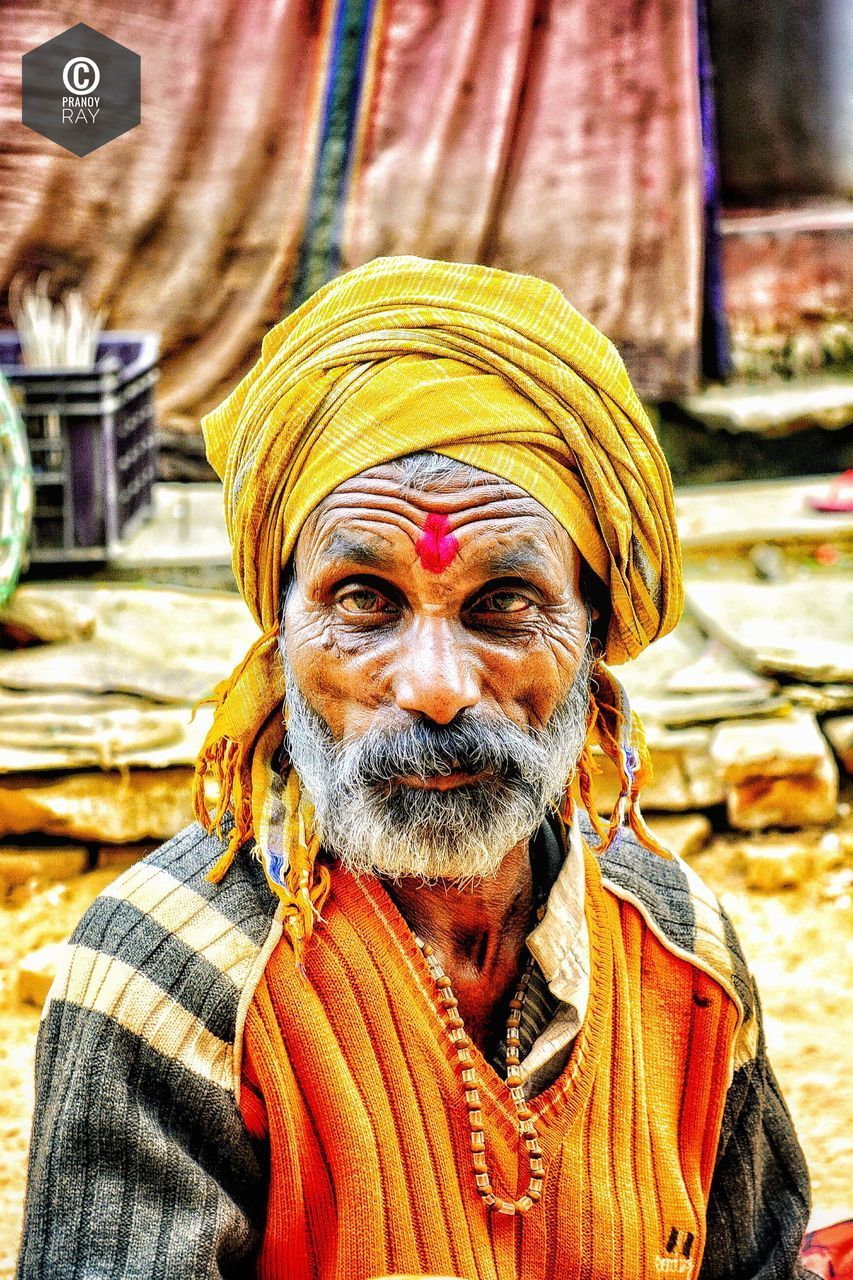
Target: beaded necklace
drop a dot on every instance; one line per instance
(526, 1118)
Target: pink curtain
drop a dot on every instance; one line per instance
(560, 139)
(576, 157)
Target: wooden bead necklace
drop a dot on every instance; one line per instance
(526, 1117)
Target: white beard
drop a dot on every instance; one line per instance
(376, 826)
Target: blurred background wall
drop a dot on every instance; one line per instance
(681, 172)
(285, 140)
(784, 96)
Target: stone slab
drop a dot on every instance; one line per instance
(684, 678)
(37, 971)
(770, 748)
(771, 867)
(36, 738)
(117, 807)
(839, 731)
(32, 614)
(684, 835)
(779, 861)
(165, 645)
(715, 670)
(674, 710)
(96, 667)
(798, 800)
(186, 528)
(67, 703)
(20, 864)
(821, 698)
(122, 855)
(800, 626)
(740, 513)
(778, 410)
(683, 778)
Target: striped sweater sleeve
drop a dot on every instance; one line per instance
(140, 1163)
(759, 1204)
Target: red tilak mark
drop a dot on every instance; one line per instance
(437, 546)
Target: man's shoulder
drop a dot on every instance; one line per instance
(681, 911)
(167, 955)
(170, 885)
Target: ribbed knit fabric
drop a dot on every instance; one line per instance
(355, 1084)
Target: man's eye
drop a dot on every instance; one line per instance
(363, 602)
(503, 602)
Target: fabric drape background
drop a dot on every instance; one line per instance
(283, 141)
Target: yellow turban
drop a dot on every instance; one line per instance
(400, 355)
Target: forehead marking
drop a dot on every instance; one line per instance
(437, 546)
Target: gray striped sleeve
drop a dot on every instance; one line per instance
(759, 1204)
(140, 1164)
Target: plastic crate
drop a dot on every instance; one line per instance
(92, 441)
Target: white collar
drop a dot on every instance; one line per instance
(560, 941)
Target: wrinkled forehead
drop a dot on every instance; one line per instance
(437, 506)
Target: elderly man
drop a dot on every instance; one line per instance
(396, 1006)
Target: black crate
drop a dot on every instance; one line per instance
(93, 445)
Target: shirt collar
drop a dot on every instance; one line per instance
(560, 941)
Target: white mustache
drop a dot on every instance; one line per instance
(460, 833)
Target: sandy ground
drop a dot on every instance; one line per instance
(799, 942)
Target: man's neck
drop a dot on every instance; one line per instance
(478, 934)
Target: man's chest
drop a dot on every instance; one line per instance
(372, 1150)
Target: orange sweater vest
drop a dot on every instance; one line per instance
(352, 1080)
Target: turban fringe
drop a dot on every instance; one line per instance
(493, 369)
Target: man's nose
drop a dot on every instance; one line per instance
(435, 678)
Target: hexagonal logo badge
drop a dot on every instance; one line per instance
(81, 89)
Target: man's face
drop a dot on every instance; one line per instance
(437, 661)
